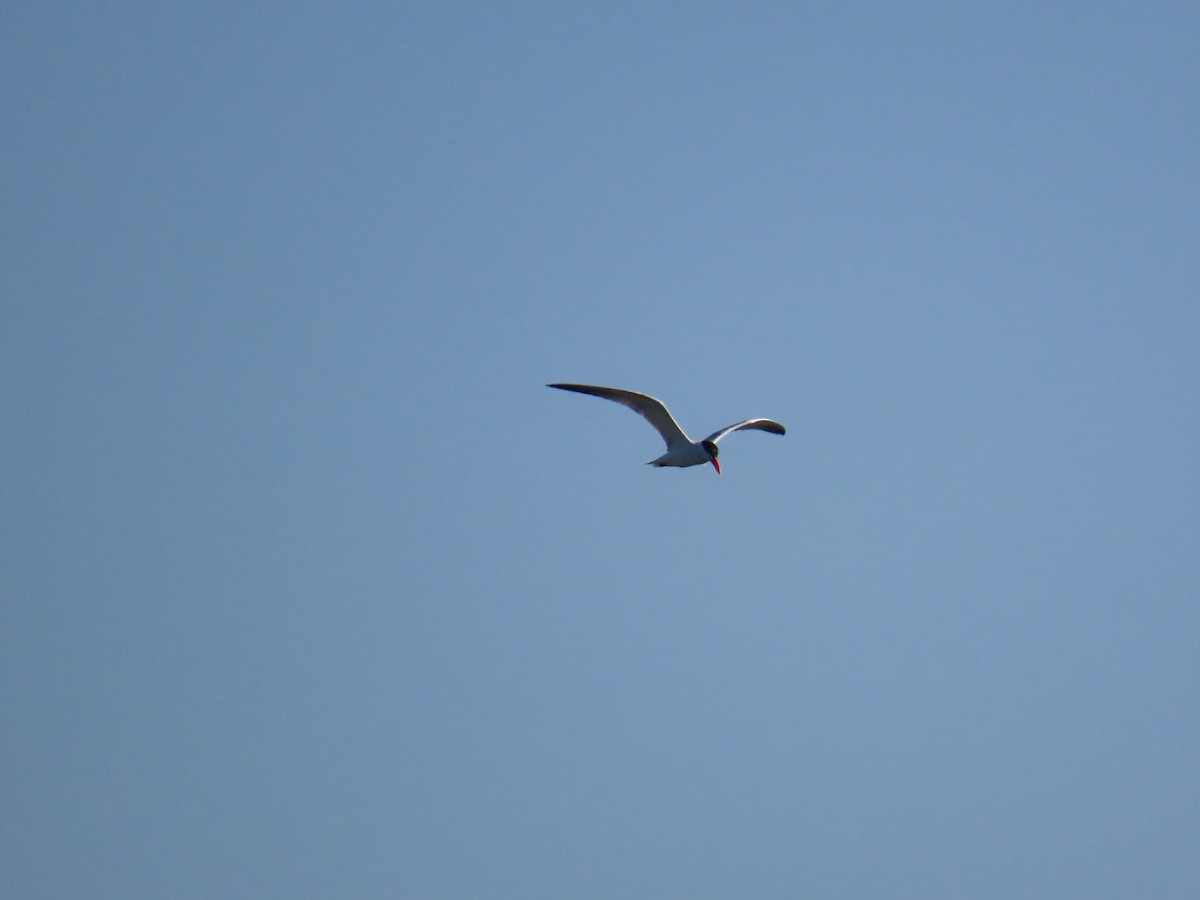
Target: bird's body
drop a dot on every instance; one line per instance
(682, 451)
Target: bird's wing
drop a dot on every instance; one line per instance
(650, 409)
(756, 424)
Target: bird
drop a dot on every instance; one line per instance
(682, 451)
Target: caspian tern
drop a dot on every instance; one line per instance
(682, 451)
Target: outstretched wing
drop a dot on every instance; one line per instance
(749, 424)
(648, 408)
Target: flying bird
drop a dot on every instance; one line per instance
(682, 451)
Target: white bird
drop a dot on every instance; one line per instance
(682, 451)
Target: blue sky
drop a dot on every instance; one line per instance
(312, 589)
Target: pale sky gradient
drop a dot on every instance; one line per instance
(311, 589)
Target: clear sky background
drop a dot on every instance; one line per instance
(310, 588)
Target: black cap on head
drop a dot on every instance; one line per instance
(710, 447)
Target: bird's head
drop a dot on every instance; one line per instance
(711, 449)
